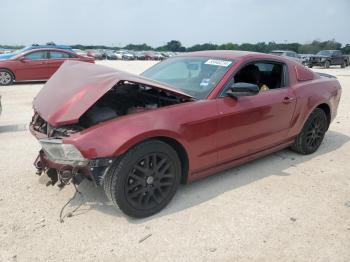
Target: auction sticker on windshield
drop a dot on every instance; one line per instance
(218, 62)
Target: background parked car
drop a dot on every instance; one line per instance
(153, 56)
(305, 58)
(119, 55)
(326, 58)
(289, 54)
(36, 64)
(110, 55)
(94, 54)
(80, 52)
(34, 46)
(128, 55)
(139, 55)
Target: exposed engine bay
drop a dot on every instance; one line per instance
(123, 99)
(126, 98)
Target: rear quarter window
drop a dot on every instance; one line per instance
(303, 73)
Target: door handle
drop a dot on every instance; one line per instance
(288, 100)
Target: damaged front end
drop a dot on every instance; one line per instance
(77, 98)
(62, 162)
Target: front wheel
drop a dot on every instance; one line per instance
(312, 134)
(6, 78)
(144, 180)
(343, 65)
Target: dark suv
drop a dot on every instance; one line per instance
(326, 58)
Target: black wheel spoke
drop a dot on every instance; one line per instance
(164, 184)
(150, 181)
(157, 198)
(315, 133)
(164, 169)
(143, 170)
(136, 193)
(161, 163)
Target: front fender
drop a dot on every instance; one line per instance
(134, 140)
(115, 137)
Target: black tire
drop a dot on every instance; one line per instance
(6, 77)
(144, 180)
(343, 65)
(310, 65)
(312, 134)
(327, 64)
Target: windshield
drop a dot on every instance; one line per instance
(196, 76)
(324, 52)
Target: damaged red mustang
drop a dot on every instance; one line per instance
(185, 118)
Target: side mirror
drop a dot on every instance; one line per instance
(22, 59)
(242, 89)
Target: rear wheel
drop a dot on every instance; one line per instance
(6, 77)
(310, 65)
(327, 64)
(343, 65)
(312, 134)
(145, 179)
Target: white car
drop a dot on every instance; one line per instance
(119, 54)
(80, 52)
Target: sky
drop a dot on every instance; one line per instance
(155, 22)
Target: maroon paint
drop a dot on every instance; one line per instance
(216, 133)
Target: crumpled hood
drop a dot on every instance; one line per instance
(76, 86)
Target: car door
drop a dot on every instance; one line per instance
(339, 58)
(249, 124)
(56, 59)
(32, 66)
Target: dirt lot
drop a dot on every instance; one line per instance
(283, 207)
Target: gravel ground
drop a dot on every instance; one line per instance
(283, 207)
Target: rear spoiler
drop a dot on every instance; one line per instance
(326, 75)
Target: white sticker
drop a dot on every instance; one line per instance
(205, 82)
(218, 62)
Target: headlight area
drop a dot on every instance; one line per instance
(60, 153)
(65, 163)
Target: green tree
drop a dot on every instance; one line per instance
(173, 45)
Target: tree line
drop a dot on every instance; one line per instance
(176, 46)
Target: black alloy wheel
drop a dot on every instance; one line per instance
(144, 179)
(312, 134)
(316, 132)
(150, 181)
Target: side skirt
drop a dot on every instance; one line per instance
(236, 162)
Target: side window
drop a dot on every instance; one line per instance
(266, 75)
(59, 55)
(36, 55)
(338, 53)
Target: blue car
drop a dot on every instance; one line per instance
(34, 46)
